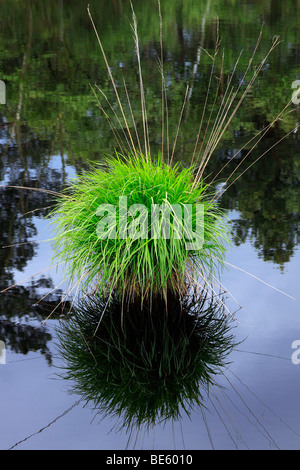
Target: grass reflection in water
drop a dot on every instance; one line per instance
(151, 365)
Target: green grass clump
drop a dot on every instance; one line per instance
(135, 266)
(150, 367)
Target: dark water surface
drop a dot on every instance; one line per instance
(50, 128)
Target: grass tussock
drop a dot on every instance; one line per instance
(137, 264)
(145, 266)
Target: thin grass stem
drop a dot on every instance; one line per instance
(111, 78)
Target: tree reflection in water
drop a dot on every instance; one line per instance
(24, 303)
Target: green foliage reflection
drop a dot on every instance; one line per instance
(146, 366)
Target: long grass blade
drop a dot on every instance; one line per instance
(111, 78)
(143, 103)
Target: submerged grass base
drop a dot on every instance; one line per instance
(136, 264)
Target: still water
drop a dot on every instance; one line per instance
(51, 127)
